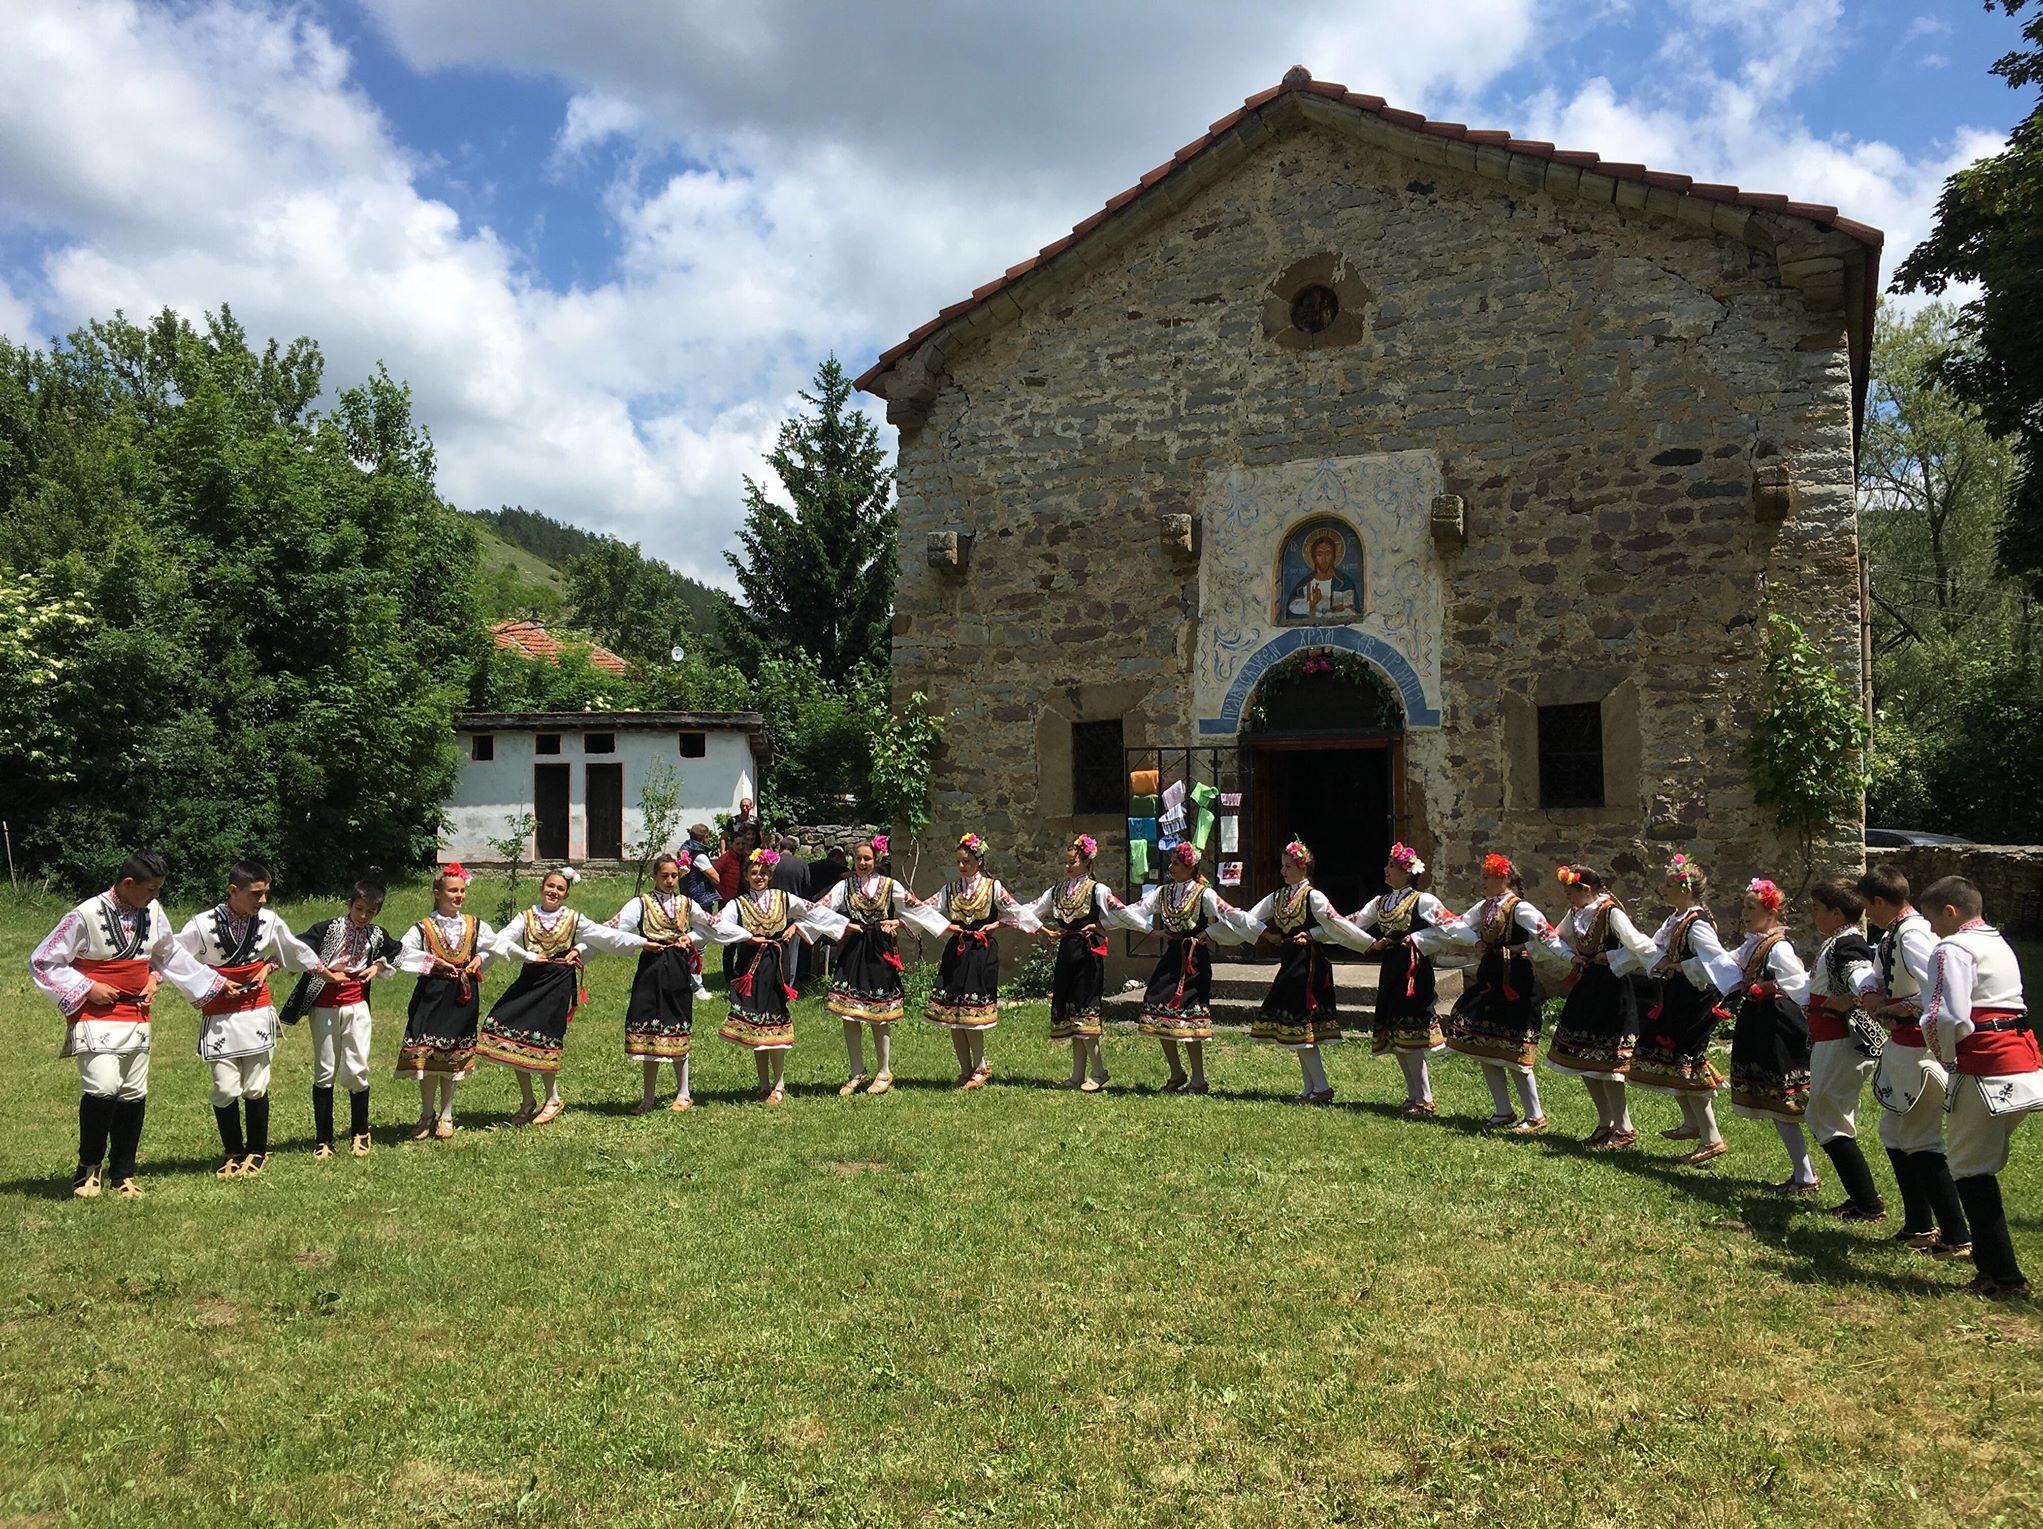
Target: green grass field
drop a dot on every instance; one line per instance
(1014, 1307)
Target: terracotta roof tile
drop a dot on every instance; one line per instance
(1814, 212)
(528, 639)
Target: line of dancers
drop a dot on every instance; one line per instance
(1933, 1015)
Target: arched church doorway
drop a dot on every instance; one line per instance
(1324, 735)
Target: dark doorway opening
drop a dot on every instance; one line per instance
(1340, 798)
(550, 807)
(606, 811)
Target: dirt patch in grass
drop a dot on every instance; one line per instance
(850, 1165)
(312, 1258)
(427, 1487)
(216, 1313)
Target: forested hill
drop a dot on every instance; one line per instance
(525, 566)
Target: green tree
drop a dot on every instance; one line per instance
(1808, 740)
(817, 573)
(282, 617)
(1989, 231)
(634, 606)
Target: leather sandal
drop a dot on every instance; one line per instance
(1499, 1122)
(86, 1185)
(322, 1152)
(230, 1169)
(682, 1104)
(1324, 1096)
(852, 1086)
(1597, 1137)
(645, 1106)
(775, 1095)
(1682, 1133)
(128, 1189)
(444, 1131)
(1091, 1086)
(423, 1131)
(1704, 1154)
(972, 1080)
(252, 1164)
(880, 1085)
(1617, 1141)
(1174, 1085)
(1949, 1252)
(1200, 1086)
(522, 1115)
(1530, 1127)
(551, 1110)
(361, 1146)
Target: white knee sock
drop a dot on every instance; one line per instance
(1170, 1055)
(883, 1049)
(1314, 1070)
(447, 1087)
(1500, 1089)
(1797, 1146)
(1706, 1119)
(1096, 1057)
(1528, 1090)
(1418, 1087)
(1620, 1106)
(976, 1040)
(1196, 1051)
(681, 1078)
(854, 1045)
(553, 1088)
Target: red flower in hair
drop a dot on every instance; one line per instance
(1496, 865)
(454, 868)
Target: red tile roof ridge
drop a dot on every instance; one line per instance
(528, 639)
(1296, 81)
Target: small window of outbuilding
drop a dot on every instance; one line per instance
(599, 743)
(1099, 784)
(482, 746)
(695, 745)
(546, 743)
(1571, 755)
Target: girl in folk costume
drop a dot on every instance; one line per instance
(1177, 1008)
(1690, 971)
(1299, 1011)
(1909, 1083)
(1844, 1044)
(1496, 1020)
(362, 951)
(1408, 926)
(1770, 1044)
(964, 914)
(1075, 915)
(244, 942)
(760, 923)
(1598, 1028)
(100, 966)
(527, 1026)
(447, 950)
(1977, 1024)
(865, 984)
(659, 1017)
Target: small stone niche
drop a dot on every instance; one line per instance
(1315, 304)
(950, 549)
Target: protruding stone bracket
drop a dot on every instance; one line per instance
(950, 549)
(1450, 522)
(1180, 536)
(1773, 491)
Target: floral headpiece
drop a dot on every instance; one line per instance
(1766, 893)
(1187, 853)
(1497, 865)
(455, 869)
(1296, 850)
(1406, 859)
(766, 857)
(879, 844)
(569, 874)
(973, 843)
(1683, 871)
(1087, 846)
(1567, 875)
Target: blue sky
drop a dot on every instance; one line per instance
(607, 242)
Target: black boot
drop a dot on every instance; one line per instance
(125, 1137)
(95, 1125)
(1916, 1220)
(1934, 1174)
(258, 1134)
(322, 1117)
(1865, 1203)
(358, 1117)
(233, 1145)
(1993, 1249)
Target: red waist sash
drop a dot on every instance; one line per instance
(228, 1003)
(338, 995)
(2001, 1043)
(1908, 1032)
(129, 980)
(1825, 1024)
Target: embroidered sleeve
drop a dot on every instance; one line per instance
(1335, 930)
(50, 964)
(183, 971)
(292, 953)
(1014, 913)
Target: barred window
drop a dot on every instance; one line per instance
(1098, 785)
(1571, 755)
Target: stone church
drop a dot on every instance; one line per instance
(1356, 476)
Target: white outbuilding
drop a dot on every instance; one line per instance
(581, 774)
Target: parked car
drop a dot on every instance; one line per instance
(1902, 838)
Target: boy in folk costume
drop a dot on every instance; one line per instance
(1598, 1028)
(659, 1017)
(1299, 1012)
(1844, 1044)
(447, 950)
(965, 914)
(1177, 1008)
(1976, 1022)
(759, 925)
(362, 951)
(244, 942)
(1908, 1083)
(865, 979)
(1691, 970)
(527, 1026)
(1496, 1020)
(1407, 926)
(101, 966)
(1075, 915)
(1770, 1043)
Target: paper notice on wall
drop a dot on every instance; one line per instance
(1230, 799)
(1174, 796)
(1230, 835)
(1230, 873)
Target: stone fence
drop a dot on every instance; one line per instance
(2009, 876)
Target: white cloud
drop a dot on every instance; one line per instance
(592, 118)
(17, 319)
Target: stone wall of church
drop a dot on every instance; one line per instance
(1600, 387)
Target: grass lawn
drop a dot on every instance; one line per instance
(1015, 1307)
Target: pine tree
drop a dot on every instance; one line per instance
(817, 573)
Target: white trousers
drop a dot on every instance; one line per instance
(1975, 1142)
(340, 1046)
(114, 1074)
(1837, 1076)
(1921, 1129)
(241, 1077)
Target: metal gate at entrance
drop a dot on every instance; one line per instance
(1194, 791)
